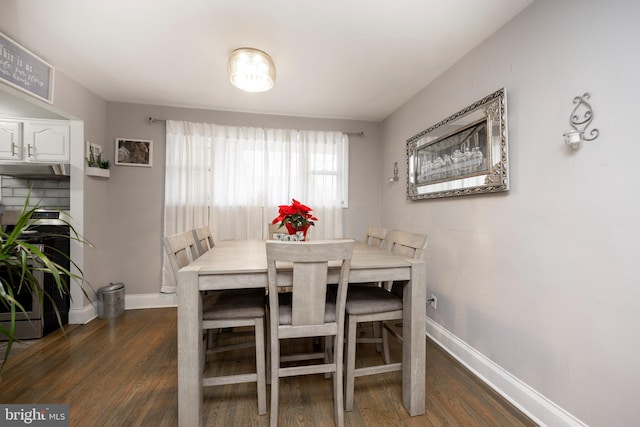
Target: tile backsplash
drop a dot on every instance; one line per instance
(47, 193)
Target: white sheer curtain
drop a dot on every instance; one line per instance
(186, 203)
(233, 179)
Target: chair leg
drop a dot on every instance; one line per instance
(351, 363)
(268, 341)
(275, 380)
(338, 392)
(260, 368)
(385, 346)
(328, 353)
(375, 326)
(205, 344)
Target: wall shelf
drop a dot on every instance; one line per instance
(102, 173)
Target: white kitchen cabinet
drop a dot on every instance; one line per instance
(10, 140)
(34, 141)
(46, 141)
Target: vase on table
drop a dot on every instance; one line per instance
(293, 231)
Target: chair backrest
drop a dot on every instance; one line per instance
(181, 250)
(410, 245)
(275, 228)
(310, 275)
(203, 238)
(376, 236)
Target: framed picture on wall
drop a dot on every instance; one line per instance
(464, 154)
(94, 150)
(25, 71)
(134, 152)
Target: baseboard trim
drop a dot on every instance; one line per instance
(131, 302)
(80, 316)
(159, 300)
(537, 407)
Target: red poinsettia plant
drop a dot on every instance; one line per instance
(295, 216)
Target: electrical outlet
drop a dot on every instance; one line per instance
(433, 301)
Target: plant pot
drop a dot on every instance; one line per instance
(103, 173)
(292, 230)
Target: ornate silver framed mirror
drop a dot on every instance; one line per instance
(463, 154)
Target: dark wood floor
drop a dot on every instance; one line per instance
(122, 372)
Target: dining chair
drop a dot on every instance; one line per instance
(275, 228)
(225, 309)
(203, 238)
(376, 236)
(181, 250)
(308, 310)
(377, 304)
(204, 242)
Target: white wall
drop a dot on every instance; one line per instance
(135, 194)
(88, 194)
(543, 280)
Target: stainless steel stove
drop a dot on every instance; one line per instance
(50, 231)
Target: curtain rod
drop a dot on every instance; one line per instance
(153, 120)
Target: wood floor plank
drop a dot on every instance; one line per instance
(123, 372)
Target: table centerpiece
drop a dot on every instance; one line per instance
(295, 217)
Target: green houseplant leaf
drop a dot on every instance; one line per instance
(19, 259)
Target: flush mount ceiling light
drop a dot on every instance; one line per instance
(251, 70)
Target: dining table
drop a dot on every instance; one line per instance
(238, 264)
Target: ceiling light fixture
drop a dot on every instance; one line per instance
(251, 70)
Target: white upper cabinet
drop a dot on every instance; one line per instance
(10, 140)
(46, 141)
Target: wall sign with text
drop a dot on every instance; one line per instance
(24, 70)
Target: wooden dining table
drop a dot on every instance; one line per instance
(237, 264)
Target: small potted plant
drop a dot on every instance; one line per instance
(97, 166)
(296, 217)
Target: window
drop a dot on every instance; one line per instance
(244, 173)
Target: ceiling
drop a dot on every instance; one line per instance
(348, 59)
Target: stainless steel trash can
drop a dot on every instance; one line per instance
(111, 301)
